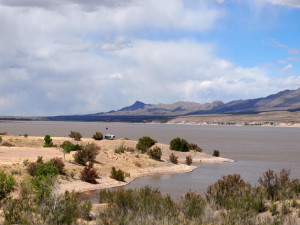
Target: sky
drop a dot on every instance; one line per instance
(63, 57)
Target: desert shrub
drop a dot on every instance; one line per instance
(25, 135)
(7, 144)
(45, 169)
(194, 147)
(129, 149)
(7, 185)
(25, 162)
(31, 168)
(37, 204)
(117, 174)
(88, 174)
(273, 209)
(59, 164)
(155, 153)
(279, 186)
(120, 149)
(192, 205)
(188, 160)
(224, 189)
(75, 135)
(0, 139)
(232, 193)
(87, 154)
(48, 141)
(286, 208)
(144, 143)
(216, 153)
(144, 206)
(40, 159)
(69, 146)
(98, 136)
(179, 144)
(173, 158)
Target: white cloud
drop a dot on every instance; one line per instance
(291, 3)
(63, 57)
(287, 67)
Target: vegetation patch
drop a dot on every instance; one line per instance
(75, 135)
(87, 154)
(189, 160)
(69, 146)
(98, 136)
(144, 143)
(216, 153)
(118, 174)
(173, 158)
(179, 144)
(48, 141)
(155, 153)
(88, 174)
(194, 147)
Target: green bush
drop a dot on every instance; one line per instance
(120, 149)
(25, 135)
(7, 185)
(0, 139)
(37, 204)
(69, 146)
(75, 135)
(45, 169)
(117, 174)
(87, 154)
(98, 136)
(216, 153)
(179, 144)
(48, 141)
(173, 158)
(88, 174)
(144, 143)
(155, 153)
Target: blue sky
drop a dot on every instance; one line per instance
(79, 57)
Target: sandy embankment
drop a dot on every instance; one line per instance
(135, 163)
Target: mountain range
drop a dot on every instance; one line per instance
(288, 100)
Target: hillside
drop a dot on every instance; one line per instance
(288, 100)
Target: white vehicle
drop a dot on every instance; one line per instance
(109, 136)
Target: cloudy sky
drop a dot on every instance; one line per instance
(77, 57)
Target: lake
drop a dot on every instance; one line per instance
(255, 149)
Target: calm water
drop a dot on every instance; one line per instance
(255, 149)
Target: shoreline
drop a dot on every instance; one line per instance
(12, 159)
(286, 125)
(107, 182)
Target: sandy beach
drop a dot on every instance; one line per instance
(137, 164)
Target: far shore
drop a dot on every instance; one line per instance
(266, 119)
(137, 164)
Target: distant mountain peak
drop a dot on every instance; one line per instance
(137, 105)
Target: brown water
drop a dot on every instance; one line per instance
(255, 149)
